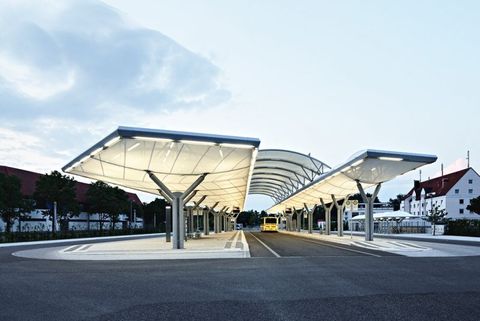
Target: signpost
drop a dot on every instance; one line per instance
(351, 205)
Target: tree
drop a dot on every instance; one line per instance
(359, 198)
(120, 204)
(474, 205)
(55, 187)
(154, 214)
(107, 202)
(435, 216)
(12, 204)
(395, 202)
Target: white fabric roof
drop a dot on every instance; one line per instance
(386, 216)
(177, 159)
(369, 167)
(232, 168)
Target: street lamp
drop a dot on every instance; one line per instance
(168, 223)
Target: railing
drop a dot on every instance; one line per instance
(70, 234)
(389, 227)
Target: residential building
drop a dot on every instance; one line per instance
(452, 192)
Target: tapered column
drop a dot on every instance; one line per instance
(369, 201)
(178, 221)
(177, 201)
(310, 217)
(206, 221)
(340, 212)
(328, 217)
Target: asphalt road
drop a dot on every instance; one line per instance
(285, 245)
(307, 282)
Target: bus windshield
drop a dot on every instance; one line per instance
(270, 220)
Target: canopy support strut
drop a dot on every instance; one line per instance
(328, 216)
(340, 213)
(368, 200)
(310, 217)
(177, 200)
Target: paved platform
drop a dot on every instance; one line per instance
(398, 246)
(214, 246)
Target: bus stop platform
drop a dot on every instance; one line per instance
(214, 246)
(426, 247)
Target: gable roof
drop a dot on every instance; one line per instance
(439, 185)
(29, 180)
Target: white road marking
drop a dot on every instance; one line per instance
(266, 246)
(343, 248)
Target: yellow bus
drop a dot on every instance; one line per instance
(269, 224)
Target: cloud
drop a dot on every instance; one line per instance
(72, 69)
(457, 165)
(84, 55)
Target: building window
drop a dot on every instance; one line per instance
(470, 191)
(461, 211)
(470, 181)
(461, 201)
(457, 191)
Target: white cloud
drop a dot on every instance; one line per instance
(72, 71)
(83, 54)
(457, 165)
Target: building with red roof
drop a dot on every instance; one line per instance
(29, 180)
(452, 192)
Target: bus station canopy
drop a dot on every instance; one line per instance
(232, 168)
(367, 168)
(129, 157)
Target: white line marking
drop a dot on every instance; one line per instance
(266, 246)
(342, 248)
(67, 249)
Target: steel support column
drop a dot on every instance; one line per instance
(177, 199)
(340, 214)
(369, 226)
(206, 227)
(328, 216)
(178, 221)
(310, 217)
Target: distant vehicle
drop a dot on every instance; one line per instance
(269, 224)
(239, 226)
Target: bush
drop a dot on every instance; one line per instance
(463, 227)
(41, 236)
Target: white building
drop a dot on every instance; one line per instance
(452, 192)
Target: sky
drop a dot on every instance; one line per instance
(328, 78)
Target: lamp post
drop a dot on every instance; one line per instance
(431, 195)
(168, 223)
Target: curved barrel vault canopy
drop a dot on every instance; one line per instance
(278, 173)
(128, 156)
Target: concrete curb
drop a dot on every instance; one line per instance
(79, 239)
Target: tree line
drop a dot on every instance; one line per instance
(54, 188)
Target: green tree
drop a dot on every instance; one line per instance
(436, 216)
(12, 204)
(395, 202)
(474, 205)
(55, 187)
(359, 198)
(120, 204)
(155, 209)
(107, 202)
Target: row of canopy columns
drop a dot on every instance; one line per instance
(222, 219)
(368, 200)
